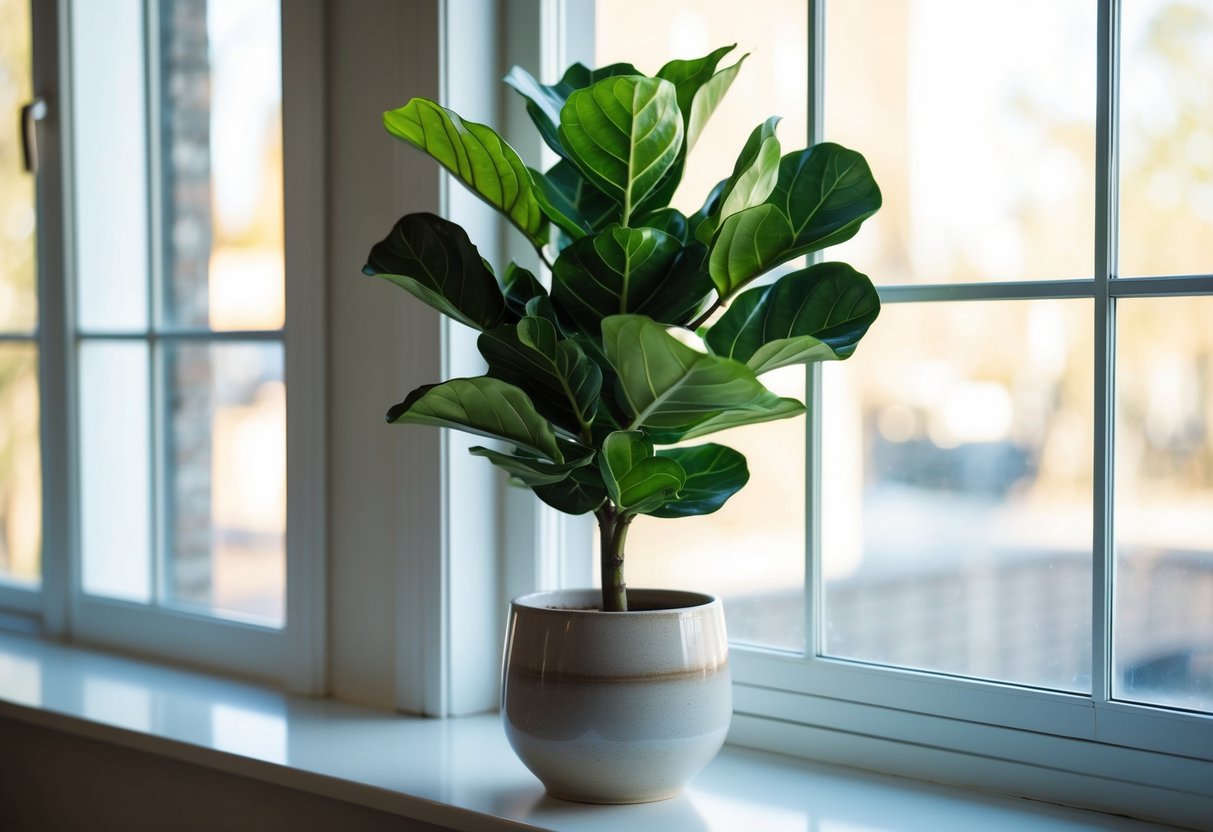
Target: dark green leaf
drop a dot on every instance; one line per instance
(681, 296)
(531, 471)
(814, 314)
(749, 243)
(623, 134)
(618, 270)
(669, 220)
(826, 192)
(771, 410)
(434, 260)
(636, 480)
(713, 474)
(476, 155)
(554, 373)
(696, 228)
(520, 287)
(667, 384)
(572, 202)
(582, 491)
(483, 406)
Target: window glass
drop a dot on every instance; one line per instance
(220, 99)
(20, 461)
(956, 492)
(226, 463)
(1166, 138)
(1163, 612)
(751, 552)
(985, 160)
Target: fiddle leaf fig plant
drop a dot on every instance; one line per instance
(590, 395)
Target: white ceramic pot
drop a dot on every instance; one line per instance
(616, 707)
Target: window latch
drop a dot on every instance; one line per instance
(31, 114)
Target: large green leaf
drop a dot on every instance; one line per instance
(754, 174)
(580, 492)
(666, 384)
(434, 260)
(771, 410)
(636, 480)
(682, 295)
(749, 243)
(624, 134)
(557, 376)
(483, 406)
(544, 102)
(476, 155)
(531, 471)
(814, 314)
(826, 192)
(616, 271)
(670, 220)
(713, 474)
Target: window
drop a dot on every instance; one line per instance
(163, 337)
(1008, 487)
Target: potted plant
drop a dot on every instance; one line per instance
(649, 337)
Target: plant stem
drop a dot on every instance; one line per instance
(702, 319)
(613, 531)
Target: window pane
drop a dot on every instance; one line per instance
(20, 465)
(985, 160)
(772, 82)
(1166, 158)
(220, 90)
(957, 479)
(751, 552)
(1163, 624)
(18, 308)
(110, 169)
(226, 469)
(115, 470)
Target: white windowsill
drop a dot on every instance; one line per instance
(460, 773)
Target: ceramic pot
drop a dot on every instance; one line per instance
(619, 707)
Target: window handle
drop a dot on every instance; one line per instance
(31, 114)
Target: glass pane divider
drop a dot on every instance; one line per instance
(19, 338)
(1170, 286)
(1106, 225)
(188, 335)
(1014, 290)
(814, 590)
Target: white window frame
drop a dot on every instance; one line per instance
(1070, 748)
(294, 654)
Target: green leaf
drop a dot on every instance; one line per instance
(771, 410)
(669, 220)
(707, 99)
(682, 295)
(531, 471)
(520, 287)
(483, 406)
(545, 102)
(636, 480)
(666, 384)
(754, 174)
(749, 243)
(826, 192)
(697, 228)
(561, 382)
(571, 202)
(434, 260)
(713, 474)
(623, 134)
(616, 271)
(582, 491)
(476, 155)
(814, 314)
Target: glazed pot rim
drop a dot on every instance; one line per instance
(576, 601)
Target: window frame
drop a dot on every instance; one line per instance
(293, 655)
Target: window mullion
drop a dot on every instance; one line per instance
(1106, 190)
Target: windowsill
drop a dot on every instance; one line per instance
(459, 773)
